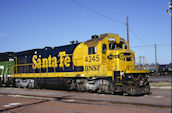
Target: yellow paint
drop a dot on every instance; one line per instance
(137, 71)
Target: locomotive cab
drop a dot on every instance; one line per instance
(115, 60)
(116, 53)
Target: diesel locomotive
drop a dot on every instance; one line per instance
(103, 64)
(6, 63)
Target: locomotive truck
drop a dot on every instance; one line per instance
(103, 64)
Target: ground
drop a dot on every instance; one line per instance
(13, 100)
(20, 100)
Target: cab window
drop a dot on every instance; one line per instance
(112, 46)
(104, 47)
(119, 46)
(92, 50)
(125, 46)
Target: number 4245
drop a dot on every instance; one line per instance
(92, 58)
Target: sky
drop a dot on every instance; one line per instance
(30, 24)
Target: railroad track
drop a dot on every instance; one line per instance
(68, 99)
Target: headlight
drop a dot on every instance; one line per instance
(122, 73)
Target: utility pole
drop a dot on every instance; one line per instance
(169, 11)
(128, 33)
(155, 55)
(170, 7)
(156, 64)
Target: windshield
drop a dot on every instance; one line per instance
(119, 46)
(113, 46)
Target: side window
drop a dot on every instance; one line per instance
(92, 50)
(125, 45)
(104, 47)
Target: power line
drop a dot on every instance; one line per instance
(137, 37)
(107, 17)
(97, 13)
(142, 46)
(164, 44)
(152, 45)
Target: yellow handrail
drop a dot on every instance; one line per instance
(17, 68)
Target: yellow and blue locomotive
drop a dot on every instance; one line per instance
(103, 64)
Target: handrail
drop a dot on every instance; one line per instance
(143, 64)
(15, 69)
(24, 68)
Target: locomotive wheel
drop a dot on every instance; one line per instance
(17, 85)
(99, 90)
(147, 89)
(130, 90)
(31, 86)
(112, 92)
